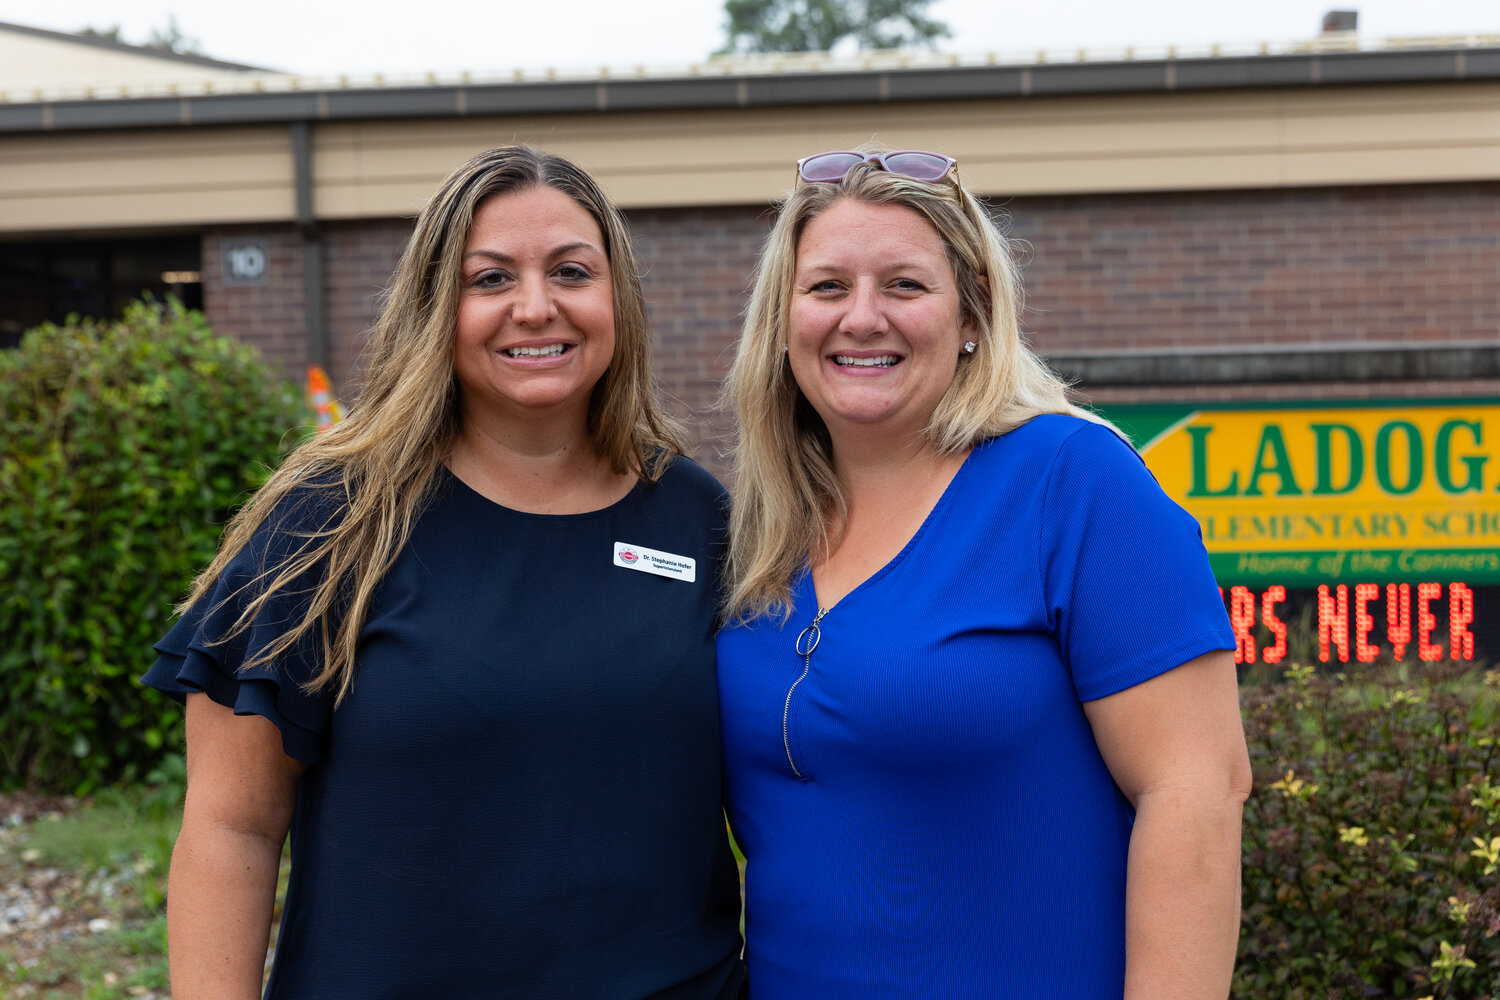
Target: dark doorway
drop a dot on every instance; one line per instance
(49, 281)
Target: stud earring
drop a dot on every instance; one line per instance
(969, 346)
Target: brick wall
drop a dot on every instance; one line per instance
(1418, 264)
(695, 269)
(1117, 273)
(358, 260)
(1388, 263)
(270, 316)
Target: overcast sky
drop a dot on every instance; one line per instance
(331, 37)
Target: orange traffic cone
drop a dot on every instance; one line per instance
(326, 409)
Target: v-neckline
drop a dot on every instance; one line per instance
(889, 566)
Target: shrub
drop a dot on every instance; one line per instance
(123, 447)
(1369, 865)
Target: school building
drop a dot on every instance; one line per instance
(1278, 267)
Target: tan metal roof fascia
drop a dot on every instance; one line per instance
(290, 99)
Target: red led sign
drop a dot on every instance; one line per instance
(1347, 625)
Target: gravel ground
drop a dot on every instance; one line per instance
(47, 913)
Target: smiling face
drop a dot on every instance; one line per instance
(875, 326)
(535, 328)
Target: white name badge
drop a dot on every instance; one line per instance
(655, 561)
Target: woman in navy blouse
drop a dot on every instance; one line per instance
(461, 646)
(960, 763)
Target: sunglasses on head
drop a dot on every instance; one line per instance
(917, 164)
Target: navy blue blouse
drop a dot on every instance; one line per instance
(520, 797)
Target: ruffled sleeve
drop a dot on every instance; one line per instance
(191, 657)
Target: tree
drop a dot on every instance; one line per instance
(172, 39)
(818, 25)
(168, 39)
(110, 34)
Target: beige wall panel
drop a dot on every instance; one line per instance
(1148, 142)
(213, 167)
(1474, 94)
(716, 187)
(1395, 166)
(383, 200)
(1042, 146)
(645, 140)
(1217, 172)
(383, 169)
(149, 177)
(676, 159)
(1395, 127)
(111, 209)
(647, 159)
(159, 144)
(1114, 136)
(1123, 174)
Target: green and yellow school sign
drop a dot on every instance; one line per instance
(1391, 491)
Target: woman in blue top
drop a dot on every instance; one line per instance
(961, 758)
(461, 645)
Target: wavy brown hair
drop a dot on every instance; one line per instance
(373, 473)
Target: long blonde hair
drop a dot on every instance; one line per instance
(784, 491)
(373, 473)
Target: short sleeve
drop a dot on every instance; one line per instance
(1124, 574)
(192, 657)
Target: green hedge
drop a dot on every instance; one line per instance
(123, 447)
(1370, 865)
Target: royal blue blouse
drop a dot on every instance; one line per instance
(921, 802)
